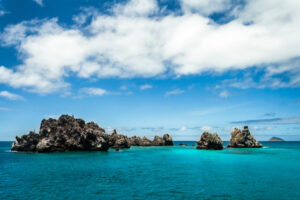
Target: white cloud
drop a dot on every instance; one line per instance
(183, 128)
(145, 87)
(40, 2)
(174, 92)
(224, 94)
(129, 43)
(94, 91)
(10, 96)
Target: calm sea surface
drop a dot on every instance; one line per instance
(179, 172)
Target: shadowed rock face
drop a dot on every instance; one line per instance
(65, 134)
(118, 140)
(166, 140)
(243, 139)
(210, 141)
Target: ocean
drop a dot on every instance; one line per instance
(171, 173)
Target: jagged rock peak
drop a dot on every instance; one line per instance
(166, 140)
(210, 141)
(118, 140)
(65, 134)
(243, 139)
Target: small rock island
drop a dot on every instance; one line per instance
(243, 139)
(276, 139)
(210, 141)
(71, 134)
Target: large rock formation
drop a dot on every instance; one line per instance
(243, 139)
(64, 134)
(210, 141)
(118, 140)
(166, 140)
(71, 134)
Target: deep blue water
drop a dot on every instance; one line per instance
(179, 172)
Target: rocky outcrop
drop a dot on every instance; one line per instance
(71, 134)
(243, 139)
(210, 141)
(276, 139)
(166, 140)
(65, 134)
(118, 141)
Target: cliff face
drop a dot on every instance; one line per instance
(243, 139)
(210, 141)
(64, 134)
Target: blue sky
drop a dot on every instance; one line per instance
(147, 67)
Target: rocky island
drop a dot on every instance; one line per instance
(276, 139)
(71, 134)
(210, 141)
(243, 139)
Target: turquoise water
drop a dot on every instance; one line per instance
(177, 172)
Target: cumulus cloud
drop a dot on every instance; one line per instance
(174, 92)
(135, 40)
(10, 95)
(145, 87)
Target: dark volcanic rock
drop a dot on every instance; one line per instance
(146, 141)
(136, 141)
(26, 142)
(243, 139)
(276, 139)
(65, 134)
(166, 140)
(158, 141)
(210, 141)
(118, 140)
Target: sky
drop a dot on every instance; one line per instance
(149, 67)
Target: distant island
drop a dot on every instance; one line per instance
(276, 139)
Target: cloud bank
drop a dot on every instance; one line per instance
(138, 40)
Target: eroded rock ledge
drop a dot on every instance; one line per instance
(71, 134)
(243, 139)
